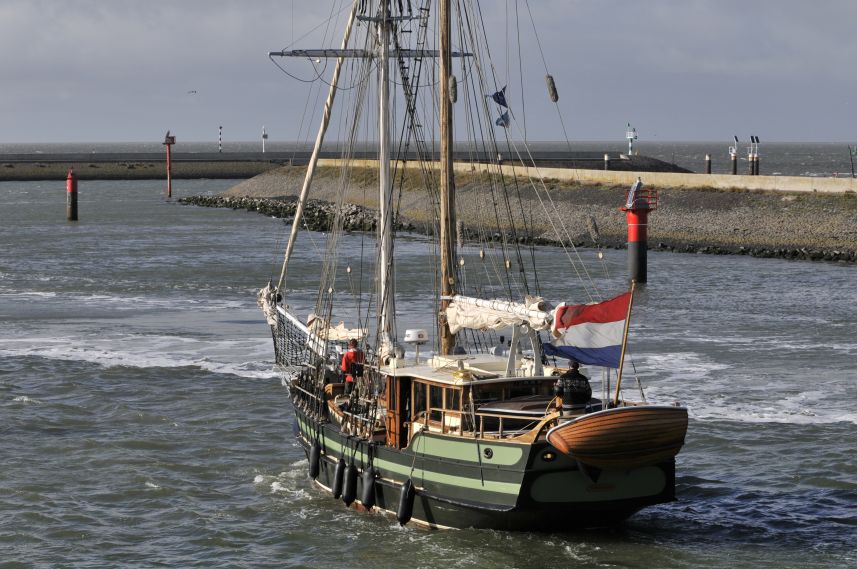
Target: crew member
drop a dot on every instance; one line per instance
(500, 348)
(352, 364)
(572, 387)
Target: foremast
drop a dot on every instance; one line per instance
(386, 310)
(386, 271)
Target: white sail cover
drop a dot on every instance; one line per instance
(484, 314)
(338, 333)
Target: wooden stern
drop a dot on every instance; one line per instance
(624, 437)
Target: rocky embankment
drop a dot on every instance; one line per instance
(317, 216)
(764, 224)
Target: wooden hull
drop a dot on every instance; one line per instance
(624, 437)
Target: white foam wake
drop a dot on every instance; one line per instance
(715, 391)
(244, 357)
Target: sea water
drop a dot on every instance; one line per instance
(143, 423)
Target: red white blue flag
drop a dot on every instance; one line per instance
(590, 333)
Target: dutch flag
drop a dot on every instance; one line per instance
(590, 333)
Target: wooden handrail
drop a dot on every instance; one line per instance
(479, 429)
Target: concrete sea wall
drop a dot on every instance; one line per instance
(793, 184)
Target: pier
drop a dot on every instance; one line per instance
(193, 165)
(579, 167)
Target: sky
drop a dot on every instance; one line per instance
(122, 70)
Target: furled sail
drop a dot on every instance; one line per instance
(483, 314)
(339, 333)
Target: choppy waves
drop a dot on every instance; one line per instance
(242, 357)
(715, 391)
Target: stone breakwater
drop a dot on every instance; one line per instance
(317, 216)
(810, 226)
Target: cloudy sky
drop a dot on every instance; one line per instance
(122, 70)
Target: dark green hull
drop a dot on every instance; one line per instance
(463, 482)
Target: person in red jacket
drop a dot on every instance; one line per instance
(352, 364)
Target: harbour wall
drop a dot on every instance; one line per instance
(796, 184)
(136, 165)
(131, 166)
(788, 184)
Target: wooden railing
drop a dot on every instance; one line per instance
(449, 417)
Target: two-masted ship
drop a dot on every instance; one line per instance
(459, 435)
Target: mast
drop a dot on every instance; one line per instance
(447, 182)
(319, 139)
(386, 274)
(386, 301)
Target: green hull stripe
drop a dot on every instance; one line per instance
(441, 446)
(419, 473)
(502, 454)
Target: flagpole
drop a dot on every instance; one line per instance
(624, 344)
(851, 154)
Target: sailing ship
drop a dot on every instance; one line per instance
(462, 436)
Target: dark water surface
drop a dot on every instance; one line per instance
(142, 424)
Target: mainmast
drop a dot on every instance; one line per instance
(387, 299)
(447, 181)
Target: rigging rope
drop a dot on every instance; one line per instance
(500, 252)
(547, 72)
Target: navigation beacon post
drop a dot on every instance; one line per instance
(71, 196)
(733, 156)
(639, 201)
(168, 142)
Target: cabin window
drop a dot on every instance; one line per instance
(530, 387)
(487, 393)
(453, 399)
(391, 393)
(435, 403)
(419, 399)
